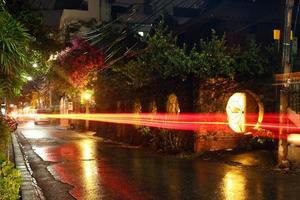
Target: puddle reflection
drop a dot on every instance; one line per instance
(87, 149)
(234, 186)
(91, 180)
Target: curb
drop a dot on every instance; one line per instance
(29, 188)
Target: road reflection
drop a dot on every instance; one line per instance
(92, 177)
(98, 170)
(234, 186)
(29, 124)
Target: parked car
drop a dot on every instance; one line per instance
(41, 119)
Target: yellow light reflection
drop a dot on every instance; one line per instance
(234, 186)
(91, 177)
(87, 149)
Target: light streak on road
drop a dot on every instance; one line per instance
(189, 122)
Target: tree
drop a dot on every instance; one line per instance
(255, 60)
(212, 58)
(162, 60)
(39, 51)
(14, 55)
(77, 62)
(76, 66)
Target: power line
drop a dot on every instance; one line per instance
(122, 36)
(110, 23)
(145, 18)
(100, 34)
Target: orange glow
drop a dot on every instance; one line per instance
(286, 76)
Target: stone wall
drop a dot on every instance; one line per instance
(170, 96)
(209, 96)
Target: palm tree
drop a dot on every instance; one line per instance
(14, 54)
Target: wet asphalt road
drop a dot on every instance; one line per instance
(72, 165)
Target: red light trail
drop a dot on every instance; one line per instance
(189, 122)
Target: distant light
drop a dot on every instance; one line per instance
(30, 124)
(14, 114)
(29, 78)
(277, 34)
(141, 33)
(86, 95)
(35, 65)
(11, 105)
(53, 57)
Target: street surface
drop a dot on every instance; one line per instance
(72, 165)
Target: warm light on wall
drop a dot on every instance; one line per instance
(245, 112)
(236, 110)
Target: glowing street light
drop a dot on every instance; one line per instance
(86, 95)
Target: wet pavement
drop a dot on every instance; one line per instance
(68, 165)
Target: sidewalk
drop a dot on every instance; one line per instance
(29, 188)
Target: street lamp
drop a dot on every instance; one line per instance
(86, 95)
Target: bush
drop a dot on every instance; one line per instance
(263, 139)
(170, 141)
(4, 138)
(10, 181)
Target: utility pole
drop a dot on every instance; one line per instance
(286, 65)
